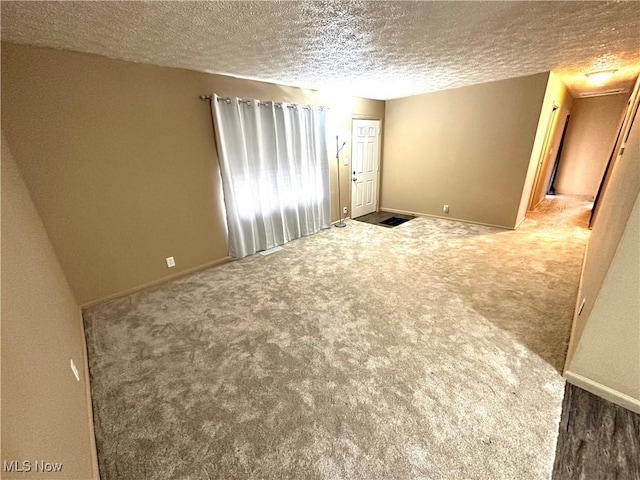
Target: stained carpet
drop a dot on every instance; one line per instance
(430, 350)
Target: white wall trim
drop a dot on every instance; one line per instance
(520, 222)
(603, 391)
(408, 212)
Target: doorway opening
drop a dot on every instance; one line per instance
(551, 190)
(537, 191)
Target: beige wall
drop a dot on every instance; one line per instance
(45, 411)
(590, 137)
(339, 118)
(608, 272)
(609, 349)
(121, 163)
(615, 207)
(541, 162)
(467, 147)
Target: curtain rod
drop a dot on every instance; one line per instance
(265, 104)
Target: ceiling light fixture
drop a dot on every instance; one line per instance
(599, 78)
(603, 93)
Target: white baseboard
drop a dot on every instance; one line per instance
(418, 214)
(603, 391)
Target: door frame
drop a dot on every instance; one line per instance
(556, 163)
(357, 116)
(628, 117)
(544, 153)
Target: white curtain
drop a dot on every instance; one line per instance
(275, 172)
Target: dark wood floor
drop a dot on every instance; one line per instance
(376, 218)
(597, 439)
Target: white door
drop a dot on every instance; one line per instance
(365, 137)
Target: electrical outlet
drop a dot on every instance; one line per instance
(75, 370)
(170, 262)
(445, 208)
(344, 210)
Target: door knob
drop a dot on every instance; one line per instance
(355, 179)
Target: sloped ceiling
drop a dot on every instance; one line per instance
(378, 50)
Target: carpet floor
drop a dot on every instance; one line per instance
(431, 350)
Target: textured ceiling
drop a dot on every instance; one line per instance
(372, 49)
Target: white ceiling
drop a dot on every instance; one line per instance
(371, 49)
